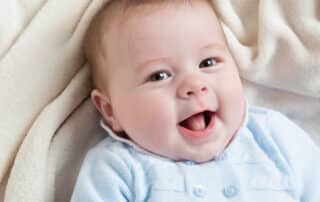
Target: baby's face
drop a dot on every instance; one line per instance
(174, 86)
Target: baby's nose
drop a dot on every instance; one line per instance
(192, 86)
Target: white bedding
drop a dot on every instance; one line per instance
(47, 122)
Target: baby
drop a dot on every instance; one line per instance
(180, 128)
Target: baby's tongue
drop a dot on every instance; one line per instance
(196, 122)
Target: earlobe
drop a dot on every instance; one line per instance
(103, 105)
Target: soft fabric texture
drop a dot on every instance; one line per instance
(259, 165)
(48, 123)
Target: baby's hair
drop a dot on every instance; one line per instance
(94, 41)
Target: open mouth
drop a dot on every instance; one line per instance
(198, 122)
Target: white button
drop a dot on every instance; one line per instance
(230, 191)
(199, 191)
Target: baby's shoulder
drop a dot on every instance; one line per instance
(274, 125)
(110, 148)
(290, 147)
(114, 153)
(274, 132)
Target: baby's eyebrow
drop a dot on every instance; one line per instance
(151, 61)
(211, 46)
(216, 46)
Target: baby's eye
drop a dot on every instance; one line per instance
(208, 62)
(159, 76)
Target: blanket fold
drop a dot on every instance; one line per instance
(32, 158)
(281, 39)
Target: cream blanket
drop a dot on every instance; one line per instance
(47, 122)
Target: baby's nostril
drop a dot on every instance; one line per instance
(190, 93)
(204, 88)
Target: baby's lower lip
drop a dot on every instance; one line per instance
(201, 133)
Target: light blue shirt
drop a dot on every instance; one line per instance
(270, 160)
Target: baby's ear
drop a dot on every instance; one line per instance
(103, 105)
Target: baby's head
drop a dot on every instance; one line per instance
(164, 76)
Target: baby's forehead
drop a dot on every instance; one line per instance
(123, 10)
(123, 19)
(120, 13)
(120, 17)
